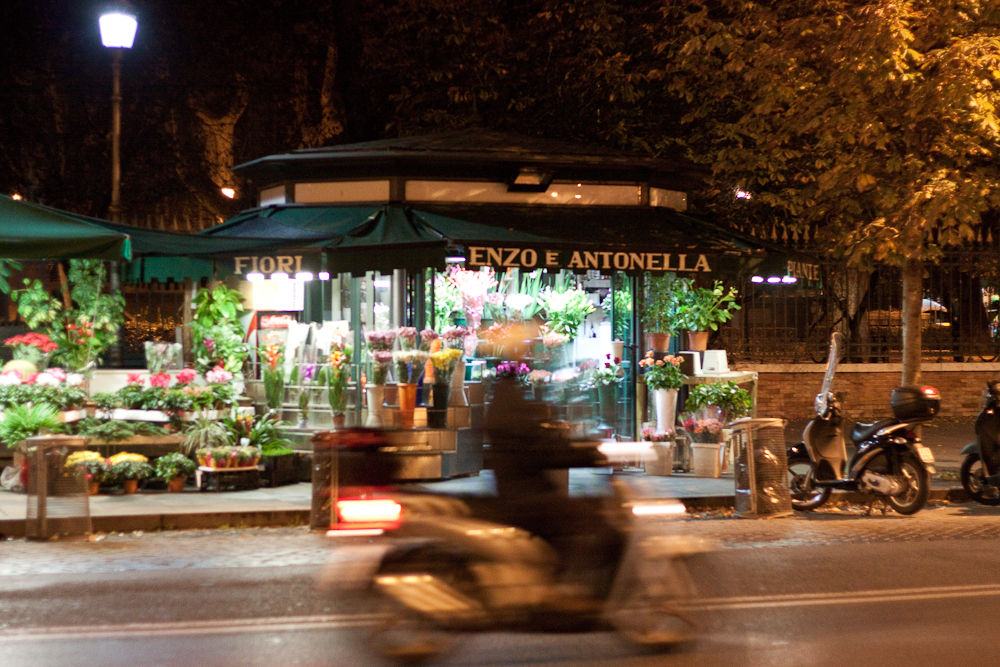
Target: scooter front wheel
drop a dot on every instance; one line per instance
(975, 484)
(918, 486)
(805, 495)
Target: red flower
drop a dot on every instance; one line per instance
(161, 380)
(134, 378)
(31, 378)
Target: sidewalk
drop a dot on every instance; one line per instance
(290, 505)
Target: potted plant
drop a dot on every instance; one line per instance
(174, 469)
(659, 311)
(409, 367)
(91, 464)
(663, 449)
(338, 375)
(605, 379)
(128, 469)
(664, 378)
(273, 375)
(702, 309)
(732, 401)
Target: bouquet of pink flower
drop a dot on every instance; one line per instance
(382, 363)
(407, 337)
(704, 428)
(218, 375)
(652, 435)
(512, 369)
(380, 340)
(454, 337)
(427, 338)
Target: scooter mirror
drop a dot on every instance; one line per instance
(833, 358)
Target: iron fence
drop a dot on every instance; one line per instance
(782, 323)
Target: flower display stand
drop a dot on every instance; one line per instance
(227, 479)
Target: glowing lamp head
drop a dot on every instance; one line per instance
(228, 192)
(118, 30)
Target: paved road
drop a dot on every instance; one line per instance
(820, 589)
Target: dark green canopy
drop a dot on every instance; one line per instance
(33, 232)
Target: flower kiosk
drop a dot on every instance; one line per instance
(418, 257)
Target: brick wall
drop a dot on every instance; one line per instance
(788, 391)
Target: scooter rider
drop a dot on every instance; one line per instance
(526, 451)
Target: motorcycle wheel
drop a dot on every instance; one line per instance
(405, 637)
(918, 486)
(975, 484)
(805, 496)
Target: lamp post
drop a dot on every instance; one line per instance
(117, 33)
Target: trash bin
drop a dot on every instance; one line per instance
(58, 504)
(761, 472)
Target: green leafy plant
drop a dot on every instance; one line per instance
(622, 298)
(174, 465)
(216, 330)
(566, 310)
(113, 430)
(728, 396)
(205, 433)
(25, 421)
(447, 301)
(86, 329)
(705, 308)
(126, 470)
(659, 311)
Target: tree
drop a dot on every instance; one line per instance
(875, 120)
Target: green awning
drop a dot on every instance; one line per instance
(35, 232)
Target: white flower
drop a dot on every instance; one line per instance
(10, 378)
(46, 380)
(519, 301)
(74, 379)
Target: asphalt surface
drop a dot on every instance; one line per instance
(811, 589)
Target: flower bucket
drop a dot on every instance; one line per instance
(376, 396)
(664, 463)
(129, 486)
(407, 393)
(705, 459)
(437, 416)
(176, 485)
(665, 401)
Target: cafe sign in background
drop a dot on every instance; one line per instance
(583, 260)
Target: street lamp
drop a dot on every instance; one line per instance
(117, 33)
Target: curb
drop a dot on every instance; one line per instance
(154, 522)
(952, 495)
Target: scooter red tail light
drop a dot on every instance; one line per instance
(366, 516)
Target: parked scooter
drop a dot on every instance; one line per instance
(981, 466)
(446, 571)
(890, 461)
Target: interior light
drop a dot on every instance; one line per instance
(304, 276)
(324, 275)
(382, 282)
(578, 196)
(529, 177)
(555, 194)
(756, 279)
(229, 192)
(16, 197)
(743, 194)
(579, 185)
(279, 275)
(773, 280)
(788, 280)
(255, 277)
(457, 259)
(118, 30)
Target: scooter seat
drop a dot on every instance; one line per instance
(862, 432)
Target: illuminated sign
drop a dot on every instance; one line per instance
(528, 258)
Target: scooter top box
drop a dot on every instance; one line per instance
(915, 403)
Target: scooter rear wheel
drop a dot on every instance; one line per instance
(805, 496)
(974, 481)
(918, 487)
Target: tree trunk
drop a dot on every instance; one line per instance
(913, 278)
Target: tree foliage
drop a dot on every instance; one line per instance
(875, 120)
